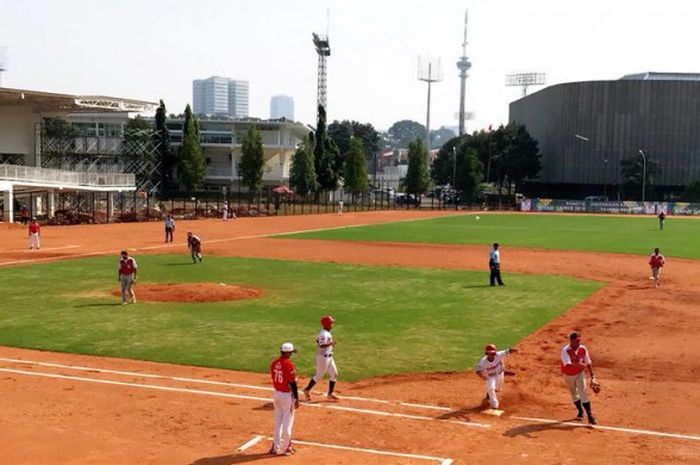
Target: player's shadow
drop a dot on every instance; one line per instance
(231, 459)
(110, 304)
(527, 430)
(461, 414)
(475, 286)
(180, 263)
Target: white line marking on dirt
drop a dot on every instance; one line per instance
(251, 443)
(229, 395)
(206, 381)
(443, 461)
(214, 241)
(45, 249)
(689, 437)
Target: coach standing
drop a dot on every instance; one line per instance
(169, 228)
(495, 265)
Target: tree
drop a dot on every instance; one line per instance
(164, 151)
(191, 165)
(442, 169)
(470, 172)
(631, 171)
(252, 162)
(341, 133)
(137, 152)
(356, 168)
(403, 133)
(302, 176)
(692, 192)
(327, 162)
(439, 137)
(418, 175)
(521, 157)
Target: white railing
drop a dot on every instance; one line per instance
(65, 178)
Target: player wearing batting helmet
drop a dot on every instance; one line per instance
(491, 369)
(324, 359)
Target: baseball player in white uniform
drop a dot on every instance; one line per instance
(491, 369)
(324, 359)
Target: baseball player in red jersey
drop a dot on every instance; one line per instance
(574, 361)
(194, 243)
(285, 399)
(34, 231)
(127, 276)
(492, 369)
(324, 360)
(656, 262)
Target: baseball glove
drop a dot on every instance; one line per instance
(595, 386)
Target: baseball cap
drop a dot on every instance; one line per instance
(287, 347)
(575, 335)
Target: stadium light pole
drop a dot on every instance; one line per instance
(454, 168)
(644, 174)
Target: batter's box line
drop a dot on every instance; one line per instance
(257, 438)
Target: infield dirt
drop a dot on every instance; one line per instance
(642, 340)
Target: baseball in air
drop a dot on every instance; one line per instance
(477, 217)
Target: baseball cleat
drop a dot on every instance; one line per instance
(332, 397)
(592, 421)
(290, 451)
(272, 451)
(307, 396)
(579, 417)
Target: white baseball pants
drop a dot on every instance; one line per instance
(127, 281)
(323, 365)
(577, 387)
(34, 240)
(284, 421)
(494, 384)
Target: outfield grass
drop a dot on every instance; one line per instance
(566, 232)
(389, 319)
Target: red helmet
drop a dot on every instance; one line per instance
(490, 348)
(327, 320)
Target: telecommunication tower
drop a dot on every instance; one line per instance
(323, 49)
(430, 71)
(463, 65)
(525, 80)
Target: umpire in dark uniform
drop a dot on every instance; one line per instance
(495, 265)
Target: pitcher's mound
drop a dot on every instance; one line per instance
(192, 292)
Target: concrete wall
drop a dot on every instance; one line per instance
(619, 118)
(17, 131)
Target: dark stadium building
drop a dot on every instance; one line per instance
(584, 129)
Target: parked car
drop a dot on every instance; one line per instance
(401, 198)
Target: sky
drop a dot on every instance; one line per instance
(152, 49)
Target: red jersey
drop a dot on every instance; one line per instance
(127, 267)
(34, 228)
(282, 373)
(573, 357)
(194, 242)
(656, 261)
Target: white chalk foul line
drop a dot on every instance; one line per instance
(211, 382)
(232, 396)
(251, 443)
(443, 461)
(645, 432)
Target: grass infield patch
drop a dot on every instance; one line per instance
(634, 235)
(389, 319)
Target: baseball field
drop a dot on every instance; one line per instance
(180, 377)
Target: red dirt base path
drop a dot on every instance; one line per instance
(191, 292)
(91, 410)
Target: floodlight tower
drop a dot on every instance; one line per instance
(323, 49)
(429, 70)
(525, 80)
(3, 61)
(463, 65)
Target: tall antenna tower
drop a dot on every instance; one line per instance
(3, 61)
(430, 71)
(323, 50)
(463, 65)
